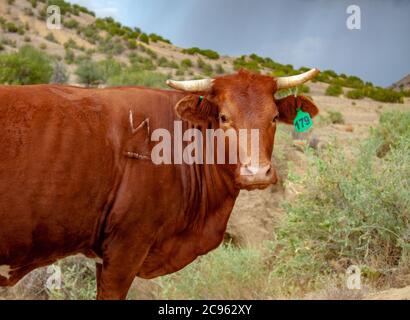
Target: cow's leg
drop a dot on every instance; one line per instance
(98, 270)
(121, 264)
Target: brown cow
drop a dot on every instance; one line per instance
(76, 175)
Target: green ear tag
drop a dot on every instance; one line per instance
(303, 122)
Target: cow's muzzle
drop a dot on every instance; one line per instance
(256, 177)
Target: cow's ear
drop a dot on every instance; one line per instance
(196, 109)
(288, 106)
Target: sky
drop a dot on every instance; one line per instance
(310, 33)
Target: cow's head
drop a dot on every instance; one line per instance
(245, 101)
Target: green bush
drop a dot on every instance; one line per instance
(109, 68)
(60, 74)
(210, 54)
(132, 44)
(186, 63)
(351, 212)
(335, 117)
(11, 27)
(50, 37)
(69, 56)
(244, 63)
(111, 46)
(89, 73)
(27, 66)
(334, 90)
(144, 38)
(355, 94)
(226, 273)
(393, 127)
(154, 38)
(206, 68)
(71, 24)
(385, 95)
(219, 69)
(139, 62)
(142, 78)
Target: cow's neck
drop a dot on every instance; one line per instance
(210, 195)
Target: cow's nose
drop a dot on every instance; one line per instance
(259, 174)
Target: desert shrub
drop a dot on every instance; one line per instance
(109, 68)
(111, 46)
(151, 53)
(154, 38)
(89, 73)
(71, 24)
(163, 62)
(131, 76)
(355, 94)
(385, 95)
(27, 39)
(132, 44)
(180, 72)
(226, 273)
(141, 63)
(303, 89)
(244, 63)
(27, 66)
(90, 33)
(349, 214)
(219, 69)
(144, 38)
(28, 11)
(206, 68)
(393, 126)
(50, 37)
(334, 90)
(69, 56)
(43, 46)
(71, 44)
(60, 74)
(210, 54)
(186, 63)
(335, 117)
(78, 280)
(33, 3)
(11, 27)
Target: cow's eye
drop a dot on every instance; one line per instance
(223, 118)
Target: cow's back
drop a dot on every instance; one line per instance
(57, 169)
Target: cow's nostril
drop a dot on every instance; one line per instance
(269, 171)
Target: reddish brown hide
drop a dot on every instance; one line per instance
(68, 184)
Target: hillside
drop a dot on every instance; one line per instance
(102, 52)
(403, 84)
(121, 55)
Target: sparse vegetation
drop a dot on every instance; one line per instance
(206, 68)
(27, 66)
(89, 73)
(60, 74)
(334, 90)
(142, 78)
(210, 54)
(356, 214)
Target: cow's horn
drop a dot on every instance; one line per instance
(191, 85)
(293, 81)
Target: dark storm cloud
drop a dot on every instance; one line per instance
(299, 32)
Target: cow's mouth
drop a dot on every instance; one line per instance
(253, 186)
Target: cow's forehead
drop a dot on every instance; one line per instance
(246, 93)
